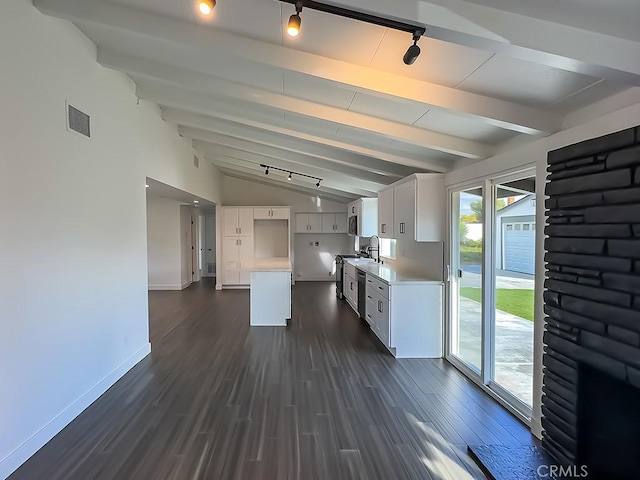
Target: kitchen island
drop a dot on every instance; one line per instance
(270, 292)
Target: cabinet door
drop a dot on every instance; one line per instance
(383, 321)
(302, 223)
(230, 249)
(315, 223)
(245, 250)
(404, 210)
(262, 214)
(231, 274)
(341, 223)
(385, 213)
(245, 221)
(328, 223)
(345, 284)
(280, 214)
(230, 221)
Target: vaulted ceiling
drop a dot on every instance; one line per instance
(337, 102)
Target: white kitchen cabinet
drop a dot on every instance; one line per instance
(237, 256)
(413, 208)
(271, 213)
(237, 221)
(308, 223)
(407, 316)
(385, 213)
(334, 223)
(366, 209)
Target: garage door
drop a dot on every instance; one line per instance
(519, 247)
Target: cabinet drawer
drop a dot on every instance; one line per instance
(351, 270)
(378, 286)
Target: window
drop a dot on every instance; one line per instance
(388, 248)
(526, 226)
(509, 227)
(533, 226)
(517, 226)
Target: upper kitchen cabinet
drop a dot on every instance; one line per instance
(385, 213)
(413, 208)
(308, 223)
(237, 221)
(334, 223)
(365, 212)
(271, 213)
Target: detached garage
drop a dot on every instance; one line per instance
(516, 232)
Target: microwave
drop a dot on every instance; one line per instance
(353, 225)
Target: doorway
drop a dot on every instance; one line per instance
(491, 288)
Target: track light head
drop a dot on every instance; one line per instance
(290, 176)
(206, 6)
(413, 52)
(318, 184)
(293, 27)
(266, 172)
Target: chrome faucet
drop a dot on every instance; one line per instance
(377, 249)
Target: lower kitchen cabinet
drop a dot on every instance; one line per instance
(407, 317)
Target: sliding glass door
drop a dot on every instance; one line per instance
(491, 285)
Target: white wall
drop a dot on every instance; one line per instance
(310, 262)
(73, 250)
(163, 242)
(535, 154)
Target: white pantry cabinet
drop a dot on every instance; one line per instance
(237, 221)
(237, 255)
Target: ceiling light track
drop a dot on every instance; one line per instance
(360, 16)
(291, 173)
(417, 31)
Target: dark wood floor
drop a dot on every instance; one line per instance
(318, 399)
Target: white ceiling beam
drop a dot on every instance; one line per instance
(519, 36)
(211, 85)
(375, 160)
(341, 182)
(285, 160)
(252, 177)
(216, 43)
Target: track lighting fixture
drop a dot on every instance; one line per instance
(206, 6)
(413, 52)
(291, 174)
(293, 27)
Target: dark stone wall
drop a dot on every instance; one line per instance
(592, 297)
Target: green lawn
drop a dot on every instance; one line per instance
(514, 301)
(470, 255)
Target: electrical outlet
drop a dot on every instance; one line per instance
(311, 244)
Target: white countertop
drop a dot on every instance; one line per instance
(270, 265)
(387, 274)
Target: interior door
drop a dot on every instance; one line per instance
(210, 244)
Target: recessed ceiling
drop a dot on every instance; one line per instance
(339, 98)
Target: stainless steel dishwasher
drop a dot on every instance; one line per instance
(362, 293)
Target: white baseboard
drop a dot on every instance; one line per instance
(11, 462)
(315, 279)
(166, 287)
(185, 285)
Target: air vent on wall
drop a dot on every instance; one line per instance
(78, 121)
(196, 162)
(211, 268)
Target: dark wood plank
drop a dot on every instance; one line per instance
(318, 399)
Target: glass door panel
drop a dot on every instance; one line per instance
(514, 244)
(466, 277)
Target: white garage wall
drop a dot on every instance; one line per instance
(73, 282)
(163, 241)
(310, 262)
(536, 154)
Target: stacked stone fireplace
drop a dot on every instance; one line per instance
(591, 402)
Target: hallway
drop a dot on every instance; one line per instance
(318, 399)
